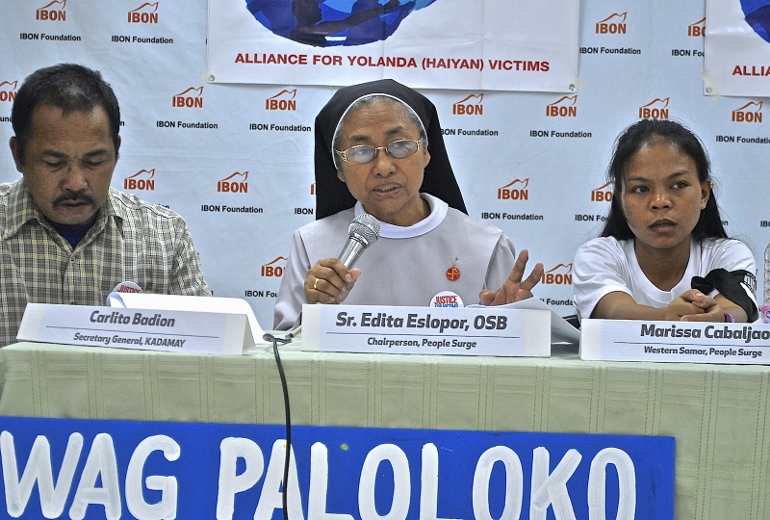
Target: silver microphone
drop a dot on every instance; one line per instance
(363, 231)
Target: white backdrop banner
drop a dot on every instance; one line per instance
(738, 47)
(489, 44)
(236, 160)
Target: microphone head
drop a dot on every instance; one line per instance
(365, 229)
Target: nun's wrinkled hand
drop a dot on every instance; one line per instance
(514, 289)
(329, 281)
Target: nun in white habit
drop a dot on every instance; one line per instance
(379, 150)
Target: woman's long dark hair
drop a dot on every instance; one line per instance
(629, 142)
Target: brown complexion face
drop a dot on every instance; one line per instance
(389, 188)
(68, 163)
(662, 199)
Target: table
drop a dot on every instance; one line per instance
(719, 414)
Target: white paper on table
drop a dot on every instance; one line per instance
(561, 331)
(177, 302)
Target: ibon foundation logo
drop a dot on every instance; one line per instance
(565, 106)
(52, 12)
(559, 275)
(283, 101)
(655, 109)
(273, 269)
(514, 190)
(697, 29)
(190, 98)
(146, 13)
(470, 105)
(613, 24)
(603, 193)
(8, 91)
(751, 112)
(234, 183)
(143, 180)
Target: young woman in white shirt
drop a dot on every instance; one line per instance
(663, 253)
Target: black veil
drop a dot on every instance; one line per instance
(332, 195)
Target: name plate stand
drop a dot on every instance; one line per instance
(139, 329)
(692, 342)
(477, 331)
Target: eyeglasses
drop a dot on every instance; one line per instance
(364, 153)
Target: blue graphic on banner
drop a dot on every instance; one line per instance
(757, 15)
(119, 469)
(323, 23)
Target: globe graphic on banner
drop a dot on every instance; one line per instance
(757, 15)
(324, 23)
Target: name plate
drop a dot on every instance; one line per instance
(141, 329)
(693, 342)
(478, 331)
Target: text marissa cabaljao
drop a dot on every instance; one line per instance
(746, 333)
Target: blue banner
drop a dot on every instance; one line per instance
(154, 470)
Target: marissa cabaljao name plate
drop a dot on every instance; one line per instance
(139, 329)
(477, 331)
(693, 342)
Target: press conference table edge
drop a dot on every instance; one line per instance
(719, 414)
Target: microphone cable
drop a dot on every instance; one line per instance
(287, 411)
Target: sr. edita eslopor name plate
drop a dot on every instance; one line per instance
(475, 331)
(626, 340)
(141, 329)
